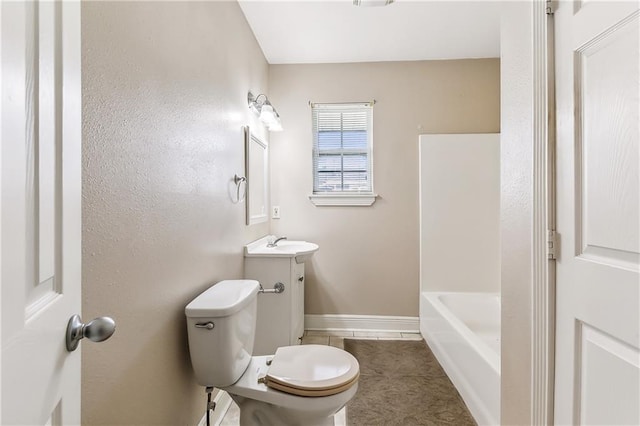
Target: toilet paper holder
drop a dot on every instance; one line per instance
(277, 288)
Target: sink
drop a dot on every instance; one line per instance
(300, 250)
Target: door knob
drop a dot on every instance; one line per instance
(97, 330)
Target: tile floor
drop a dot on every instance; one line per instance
(333, 338)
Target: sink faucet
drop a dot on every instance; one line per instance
(275, 242)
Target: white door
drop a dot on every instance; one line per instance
(40, 222)
(598, 187)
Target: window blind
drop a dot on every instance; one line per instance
(342, 144)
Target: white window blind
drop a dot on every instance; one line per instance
(342, 144)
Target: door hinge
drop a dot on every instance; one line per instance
(552, 244)
(551, 7)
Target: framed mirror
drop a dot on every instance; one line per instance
(256, 156)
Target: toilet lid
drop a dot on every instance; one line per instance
(312, 370)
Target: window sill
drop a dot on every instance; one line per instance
(360, 200)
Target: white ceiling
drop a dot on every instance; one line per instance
(305, 31)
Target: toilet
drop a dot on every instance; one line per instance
(298, 385)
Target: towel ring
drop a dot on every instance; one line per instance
(238, 181)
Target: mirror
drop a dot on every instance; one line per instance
(256, 169)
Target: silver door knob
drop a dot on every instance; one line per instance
(97, 330)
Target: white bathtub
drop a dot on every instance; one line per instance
(463, 331)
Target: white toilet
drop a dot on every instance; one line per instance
(299, 385)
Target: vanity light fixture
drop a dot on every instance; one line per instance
(268, 115)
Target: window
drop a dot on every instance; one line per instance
(342, 156)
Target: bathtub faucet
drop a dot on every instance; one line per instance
(275, 242)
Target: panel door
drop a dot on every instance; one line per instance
(40, 204)
(598, 186)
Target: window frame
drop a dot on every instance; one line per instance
(342, 197)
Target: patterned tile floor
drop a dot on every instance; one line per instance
(333, 338)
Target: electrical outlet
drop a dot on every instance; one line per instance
(275, 212)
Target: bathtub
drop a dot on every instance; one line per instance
(463, 331)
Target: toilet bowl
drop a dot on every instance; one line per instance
(261, 402)
(298, 385)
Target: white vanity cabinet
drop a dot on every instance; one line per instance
(280, 315)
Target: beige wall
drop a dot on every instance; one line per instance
(164, 99)
(516, 211)
(368, 258)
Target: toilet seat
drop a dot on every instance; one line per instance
(312, 370)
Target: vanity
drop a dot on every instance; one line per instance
(280, 314)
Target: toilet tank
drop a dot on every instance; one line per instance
(221, 325)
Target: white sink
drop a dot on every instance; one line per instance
(301, 250)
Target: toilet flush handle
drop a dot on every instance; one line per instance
(97, 330)
(208, 325)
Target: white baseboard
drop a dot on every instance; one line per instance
(362, 323)
(223, 402)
